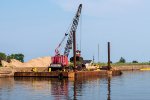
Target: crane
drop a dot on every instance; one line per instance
(60, 61)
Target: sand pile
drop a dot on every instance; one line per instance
(38, 62)
(6, 72)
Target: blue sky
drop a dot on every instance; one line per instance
(35, 27)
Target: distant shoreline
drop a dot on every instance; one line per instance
(130, 66)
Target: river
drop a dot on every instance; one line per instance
(129, 86)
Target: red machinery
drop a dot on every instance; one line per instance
(60, 61)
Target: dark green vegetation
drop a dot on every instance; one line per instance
(18, 56)
(134, 61)
(2, 57)
(7, 58)
(122, 60)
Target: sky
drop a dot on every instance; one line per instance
(36, 27)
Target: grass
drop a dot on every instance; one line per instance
(119, 64)
(123, 64)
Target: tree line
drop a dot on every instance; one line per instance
(18, 56)
(122, 60)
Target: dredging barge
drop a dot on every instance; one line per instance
(61, 61)
(104, 71)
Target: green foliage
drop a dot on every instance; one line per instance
(122, 60)
(2, 57)
(18, 56)
(134, 61)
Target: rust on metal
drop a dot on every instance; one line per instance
(42, 74)
(78, 74)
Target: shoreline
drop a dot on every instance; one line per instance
(129, 67)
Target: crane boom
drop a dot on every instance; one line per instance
(59, 61)
(73, 28)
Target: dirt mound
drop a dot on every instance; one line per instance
(38, 62)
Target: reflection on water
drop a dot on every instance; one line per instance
(50, 88)
(106, 88)
(109, 88)
(66, 89)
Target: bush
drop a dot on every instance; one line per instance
(134, 61)
(2, 57)
(19, 57)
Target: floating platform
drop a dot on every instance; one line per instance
(77, 74)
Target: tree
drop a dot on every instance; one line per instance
(18, 56)
(2, 57)
(122, 60)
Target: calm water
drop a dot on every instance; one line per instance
(129, 86)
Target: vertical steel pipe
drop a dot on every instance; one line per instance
(74, 49)
(98, 53)
(109, 67)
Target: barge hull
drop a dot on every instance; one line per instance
(68, 74)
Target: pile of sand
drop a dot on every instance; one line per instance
(6, 72)
(38, 62)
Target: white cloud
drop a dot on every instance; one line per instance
(101, 7)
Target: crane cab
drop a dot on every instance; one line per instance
(59, 62)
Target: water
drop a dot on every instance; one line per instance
(129, 86)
